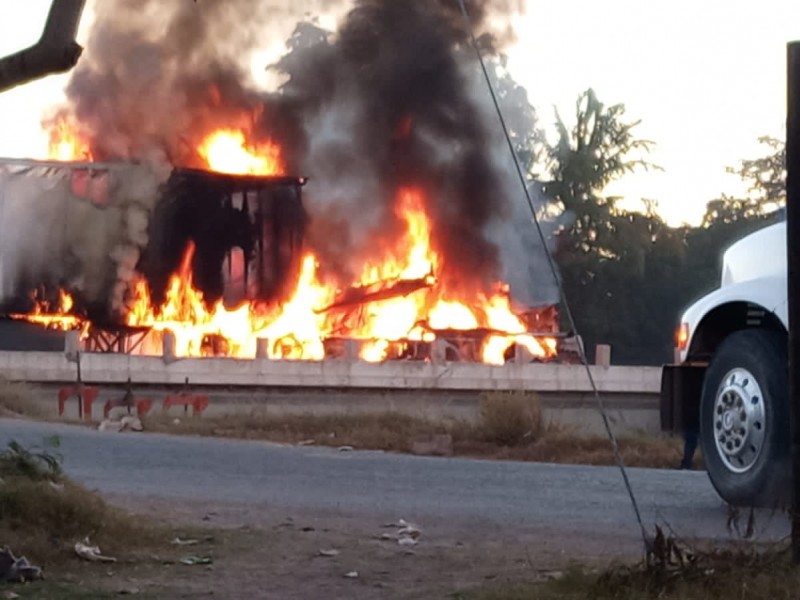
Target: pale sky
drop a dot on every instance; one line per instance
(706, 77)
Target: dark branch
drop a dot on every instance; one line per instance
(55, 52)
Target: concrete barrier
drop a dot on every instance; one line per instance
(52, 367)
(630, 394)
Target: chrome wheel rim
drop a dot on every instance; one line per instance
(739, 420)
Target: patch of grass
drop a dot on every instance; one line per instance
(510, 418)
(574, 584)
(390, 431)
(17, 399)
(48, 590)
(742, 572)
(42, 513)
(511, 427)
(36, 464)
(563, 446)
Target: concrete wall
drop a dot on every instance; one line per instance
(52, 367)
(630, 394)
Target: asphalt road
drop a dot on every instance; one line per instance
(504, 496)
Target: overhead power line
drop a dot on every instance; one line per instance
(552, 265)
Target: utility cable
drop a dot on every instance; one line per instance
(551, 263)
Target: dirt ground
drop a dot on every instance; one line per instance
(258, 553)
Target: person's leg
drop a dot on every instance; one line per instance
(690, 439)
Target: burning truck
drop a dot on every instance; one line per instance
(169, 204)
(124, 252)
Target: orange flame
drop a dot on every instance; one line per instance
(226, 151)
(66, 144)
(397, 299)
(406, 303)
(294, 332)
(57, 317)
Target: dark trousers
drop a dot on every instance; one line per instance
(690, 440)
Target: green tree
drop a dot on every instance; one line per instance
(584, 160)
(627, 275)
(616, 265)
(766, 176)
(728, 219)
(766, 179)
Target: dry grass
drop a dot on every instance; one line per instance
(42, 514)
(569, 447)
(510, 418)
(17, 399)
(390, 431)
(510, 426)
(743, 573)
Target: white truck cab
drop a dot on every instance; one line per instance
(730, 382)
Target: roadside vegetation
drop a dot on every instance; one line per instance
(44, 516)
(16, 400)
(510, 426)
(743, 571)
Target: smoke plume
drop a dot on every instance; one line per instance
(83, 230)
(385, 102)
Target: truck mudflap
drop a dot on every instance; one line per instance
(681, 386)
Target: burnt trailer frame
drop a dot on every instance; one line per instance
(261, 216)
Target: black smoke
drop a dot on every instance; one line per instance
(385, 101)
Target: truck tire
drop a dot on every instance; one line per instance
(744, 419)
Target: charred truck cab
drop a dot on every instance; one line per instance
(730, 382)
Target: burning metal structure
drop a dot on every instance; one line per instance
(219, 262)
(168, 206)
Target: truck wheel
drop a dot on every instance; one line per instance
(744, 419)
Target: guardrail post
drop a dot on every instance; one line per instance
(262, 348)
(351, 348)
(438, 351)
(168, 343)
(72, 345)
(602, 355)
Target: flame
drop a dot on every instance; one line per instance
(396, 318)
(452, 315)
(293, 332)
(226, 151)
(66, 144)
(397, 300)
(501, 318)
(57, 317)
(298, 321)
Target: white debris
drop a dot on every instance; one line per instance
(351, 574)
(131, 423)
(407, 541)
(182, 542)
(126, 423)
(91, 553)
(408, 534)
(109, 425)
(330, 552)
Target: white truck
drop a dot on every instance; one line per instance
(730, 383)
